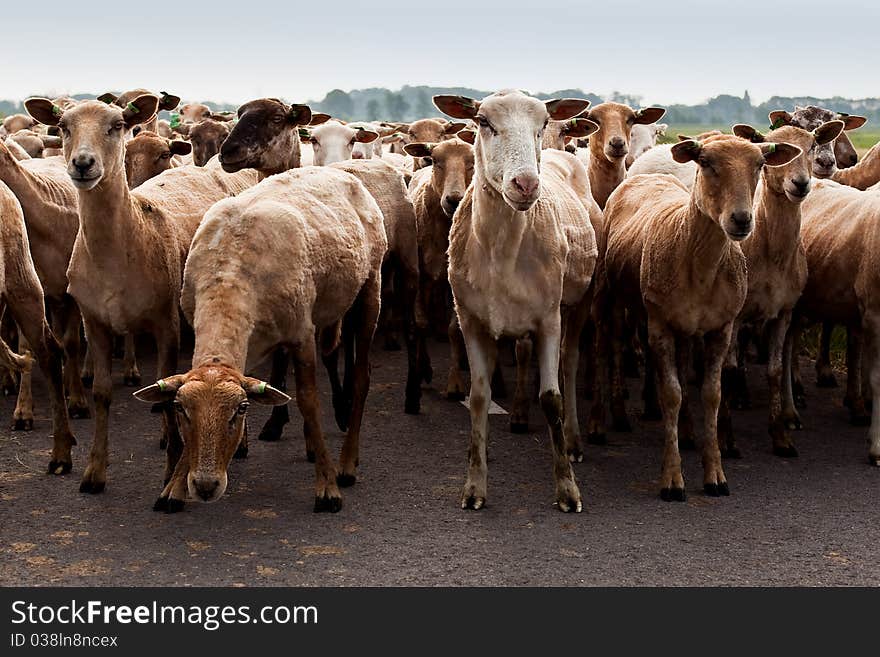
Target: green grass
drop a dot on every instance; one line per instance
(862, 139)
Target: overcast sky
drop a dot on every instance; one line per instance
(672, 51)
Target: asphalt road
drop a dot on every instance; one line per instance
(811, 520)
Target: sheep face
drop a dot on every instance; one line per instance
(452, 172)
(210, 404)
(728, 169)
(335, 142)
(615, 121)
(93, 134)
(508, 144)
(829, 156)
(207, 138)
(148, 155)
(265, 137)
(194, 112)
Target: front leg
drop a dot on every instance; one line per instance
(575, 320)
(131, 375)
(661, 340)
(101, 347)
(23, 416)
(716, 345)
(482, 351)
(455, 388)
(777, 330)
(549, 336)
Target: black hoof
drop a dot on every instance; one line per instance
(576, 455)
(794, 425)
(131, 381)
(596, 438)
(673, 495)
(270, 432)
(91, 488)
(310, 456)
(174, 505)
(519, 427)
(473, 503)
(455, 396)
(621, 424)
(79, 412)
(241, 452)
(860, 420)
(427, 374)
(687, 443)
(717, 490)
(161, 504)
(651, 415)
(412, 407)
(785, 452)
(59, 468)
(88, 381)
(23, 425)
(826, 381)
(731, 453)
(345, 480)
(327, 504)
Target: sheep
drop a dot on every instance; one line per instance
(206, 138)
(22, 294)
(167, 102)
(427, 131)
(15, 122)
(610, 145)
(34, 144)
(840, 238)
(328, 232)
(148, 155)
(127, 262)
(777, 273)
(521, 258)
(830, 156)
(334, 141)
(194, 112)
(662, 237)
(644, 138)
(659, 160)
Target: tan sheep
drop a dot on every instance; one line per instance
(127, 263)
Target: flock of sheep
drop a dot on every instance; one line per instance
(284, 234)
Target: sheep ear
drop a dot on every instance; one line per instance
(299, 114)
(686, 151)
(43, 110)
(140, 110)
(828, 131)
(168, 101)
(660, 129)
(561, 109)
(161, 391)
(366, 136)
(318, 118)
(108, 98)
(748, 132)
(580, 128)
(262, 393)
(648, 115)
(180, 147)
(776, 155)
(468, 136)
(454, 128)
(458, 107)
(851, 122)
(779, 118)
(419, 149)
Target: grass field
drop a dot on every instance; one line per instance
(862, 139)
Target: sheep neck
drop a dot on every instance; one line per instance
(777, 232)
(704, 242)
(605, 175)
(497, 227)
(108, 216)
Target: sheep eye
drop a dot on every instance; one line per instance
(242, 408)
(166, 156)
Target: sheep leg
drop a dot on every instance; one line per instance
(364, 320)
(588, 338)
(23, 416)
(568, 497)
(685, 421)
(790, 416)
(596, 425)
(131, 374)
(424, 302)
(717, 344)
(9, 334)
(854, 400)
(662, 344)
(481, 351)
(68, 320)
(88, 369)
(739, 393)
(280, 415)
(777, 328)
(575, 320)
(388, 320)
(797, 384)
(327, 496)
(28, 311)
(455, 388)
(652, 411)
(871, 322)
(519, 412)
(101, 346)
(824, 374)
(412, 334)
(619, 418)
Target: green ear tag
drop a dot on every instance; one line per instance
(778, 123)
(303, 133)
(261, 388)
(131, 108)
(175, 120)
(57, 111)
(162, 385)
(772, 147)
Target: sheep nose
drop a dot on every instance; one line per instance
(616, 142)
(526, 184)
(82, 163)
(357, 155)
(742, 219)
(205, 488)
(802, 185)
(451, 201)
